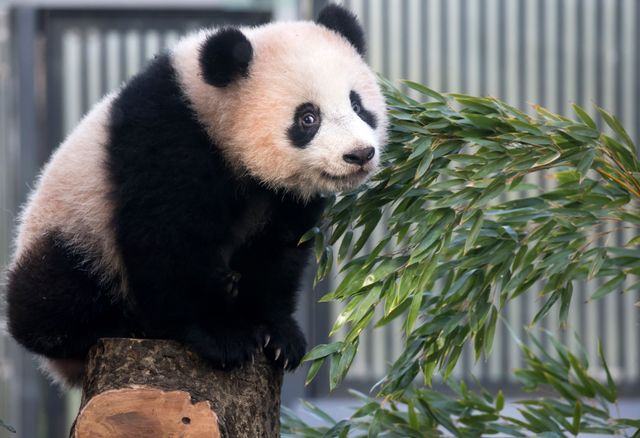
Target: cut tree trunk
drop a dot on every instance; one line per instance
(156, 388)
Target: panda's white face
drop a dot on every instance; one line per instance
(309, 117)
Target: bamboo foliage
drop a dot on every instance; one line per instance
(455, 252)
(576, 403)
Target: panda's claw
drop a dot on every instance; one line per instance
(285, 344)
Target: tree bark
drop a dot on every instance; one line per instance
(153, 388)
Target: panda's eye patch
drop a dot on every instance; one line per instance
(306, 122)
(357, 107)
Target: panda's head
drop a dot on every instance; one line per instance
(291, 104)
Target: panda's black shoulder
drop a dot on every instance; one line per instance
(151, 97)
(164, 170)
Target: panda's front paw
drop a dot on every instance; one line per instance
(225, 349)
(284, 344)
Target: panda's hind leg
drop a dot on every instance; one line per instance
(57, 307)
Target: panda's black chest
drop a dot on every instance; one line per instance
(251, 217)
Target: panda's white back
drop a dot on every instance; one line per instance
(71, 194)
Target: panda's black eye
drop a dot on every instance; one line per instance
(308, 120)
(355, 106)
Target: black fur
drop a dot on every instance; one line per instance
(300, 135)
(193, 234)
(366, 115)
(56, 306)
(225, 56)
(345, 23)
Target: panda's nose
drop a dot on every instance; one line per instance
(359, 156)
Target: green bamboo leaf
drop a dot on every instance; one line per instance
(586, 162)
(425, 90)
(544, 310)
(420, 148)
(629, 422)
(608, 287)
(427, 158)
(499, 401)
(416, 302)
(345, 245)
(610, 383)
(313, 370)
(587, 382)
(490, 329)
(340, 364)
(319, 413)
(338, 231)
(440, 124)
(633, 242)
(548, 158)
(484, 122)
(577, 415)
(325, 263)
(7, 427)
(394, 312)
(586, 119)
(617, 127)
(319, 246)
(476, 226)
(565, 302)
(467, 160)
(322, 351)
(493, 190)
(597, 262)
(313, 232)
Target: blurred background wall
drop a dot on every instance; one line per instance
(57, 58)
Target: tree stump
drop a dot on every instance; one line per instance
(155, 388)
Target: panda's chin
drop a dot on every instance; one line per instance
(339, 183)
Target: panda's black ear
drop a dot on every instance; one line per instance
(345, 23)
(225, 56)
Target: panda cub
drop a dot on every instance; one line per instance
(175, 208)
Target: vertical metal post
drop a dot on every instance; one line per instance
(34, 393)
(317, 7)
(28, 394)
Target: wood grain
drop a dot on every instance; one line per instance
(132, 386)
(145, 413)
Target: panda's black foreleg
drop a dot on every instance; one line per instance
(57, 307)
(226, 346)
(271, 268)
(268, 294)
